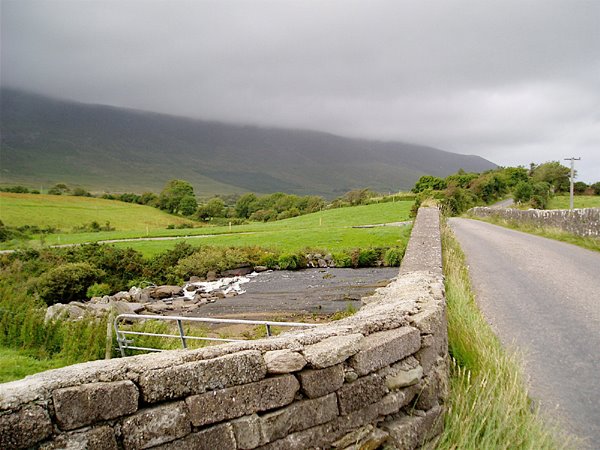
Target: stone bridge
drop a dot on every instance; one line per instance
(379, 376)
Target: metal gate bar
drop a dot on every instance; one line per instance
(125, 343)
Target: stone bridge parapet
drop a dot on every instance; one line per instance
(377, 377)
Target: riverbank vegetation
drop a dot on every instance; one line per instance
(488, 405)
(33, 278)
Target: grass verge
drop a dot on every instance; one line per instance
(488, 406)
(16, 364)
(547, 232)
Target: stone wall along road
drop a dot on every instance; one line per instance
(582, 222)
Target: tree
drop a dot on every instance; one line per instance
(59, 189)
(246, 205)
(579, 187)
(429, 182)
(514, 175)
(173, 193)
(542, 191)
(187, 205)
(553, 173)
(214, 208)
(522, 192)
(596, 187)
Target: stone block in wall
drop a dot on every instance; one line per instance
(394, 401)
(384, 348)
(319, 382)
(247, 432)
(432, 348)
(410, 432)
(236, 401)
(434, 387)
(86, 404)
(199, 376)
(25, 427)
(100, 438)
(371, 441)
(218, 437)
(332, 350)
(402, 375)
(364, 391)
(324, 435)
(284, 361)
(157, 425)
(298, 416)
(431, 320)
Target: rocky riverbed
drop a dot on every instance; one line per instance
(269, 294)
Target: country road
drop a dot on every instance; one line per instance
(543, 297)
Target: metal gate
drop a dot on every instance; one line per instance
(125, 343)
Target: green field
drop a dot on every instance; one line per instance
(65, 212)
(331, 239)
(579, 201)
(330, 229)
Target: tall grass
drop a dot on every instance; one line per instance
(488, 406)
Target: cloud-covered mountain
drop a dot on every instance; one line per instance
(103, 148)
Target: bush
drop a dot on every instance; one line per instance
(368, 257)
(342, 260)
(208, 259)
(67, 282)
(289, 261)
(98, 290)
(269, 260)
(522, 192)
(393, 256)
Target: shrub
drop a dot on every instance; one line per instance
(269, 260)
(289, 261)
(393, 256)
(207, 259)
(342, 260)
(67, 282)
(522, 192)
(368, 257)
(98, 290)
(119, 265)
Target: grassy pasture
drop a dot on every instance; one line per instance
(65, 212)
(579, 201)
(330, 239)
(329, 228)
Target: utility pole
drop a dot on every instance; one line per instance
(572, 159)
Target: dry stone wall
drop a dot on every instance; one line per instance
(582, 222)
(377, 378)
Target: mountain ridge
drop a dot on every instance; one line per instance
(47, 140)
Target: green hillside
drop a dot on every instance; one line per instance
(102, 148)
(66, 212)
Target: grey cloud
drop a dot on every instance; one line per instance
(512, 81)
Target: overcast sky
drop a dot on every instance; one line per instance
(512, 81)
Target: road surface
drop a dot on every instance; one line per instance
(543, 296)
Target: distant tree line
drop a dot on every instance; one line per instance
(532, 187)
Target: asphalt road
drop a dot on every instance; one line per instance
(543, 296)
